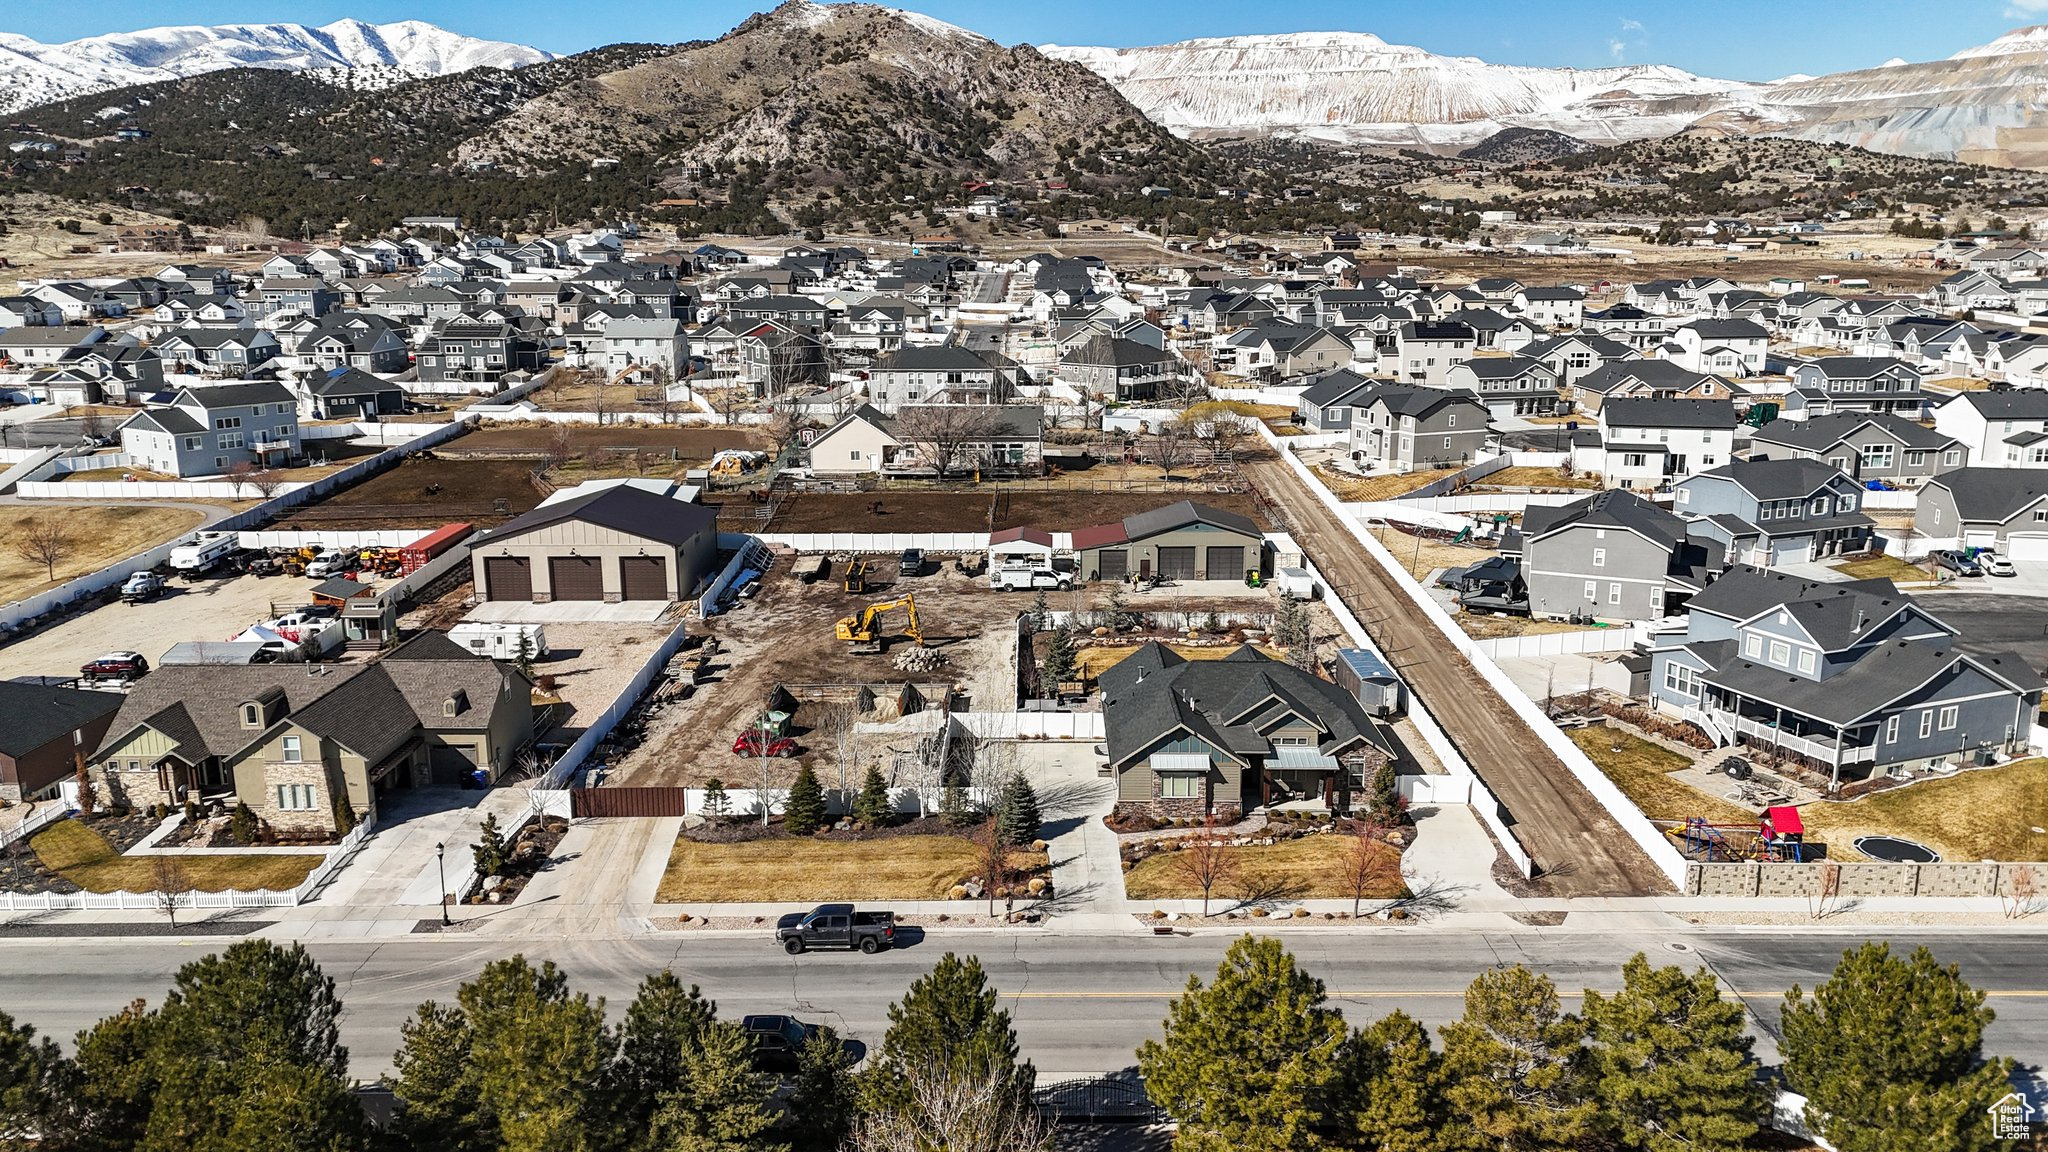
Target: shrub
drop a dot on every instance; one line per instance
(804, 812)
(243, 826)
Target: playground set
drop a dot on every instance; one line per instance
(1778, 835)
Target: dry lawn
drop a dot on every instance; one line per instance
(1884, 568)
(1531, 477)
(99, 535)
(85, 858)
(1310, 868)
(1642, 771)
(1503, 627)
(1987, 814)
(117, 475)
(809, 871)
(1421, 557)
(1366, 489)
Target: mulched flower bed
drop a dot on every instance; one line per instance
(743, 830)
(21, 870)
(526, 856)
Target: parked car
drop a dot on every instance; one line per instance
(1996, 565)
(836, 926)
(329, 564)
(778, 1040)
(142, 586)
(749, 743)
(122, 666)
(1959, 563)
(911, 563)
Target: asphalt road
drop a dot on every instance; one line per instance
(1572, 839)
(1082, 1003)
(52, 432)
(1990, 622)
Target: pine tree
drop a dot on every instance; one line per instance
(1889, 1055)
(804, 812)
(723, 1104)
(954, 808)
(663, 1029)
(715, 803)
(822, 1095)
(37, 1086)
(1513, 1064)
(872, 807)
(948, 1027)
(1671, 1064)
(489, 850)
(1252, 1061)
(1060, 659)
(1386, 792)
(437, 1097)
(1017, 820)
(1041, 612)
(1394, 1088)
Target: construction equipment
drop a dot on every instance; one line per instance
(856, 578)
(295, 560)
(736, 461)
(863, 629)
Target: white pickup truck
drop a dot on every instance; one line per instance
(1015, 577)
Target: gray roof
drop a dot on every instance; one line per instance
(1656, 373)
(1414, 400)
(1992, 494)
(1819, 433)
(32, 716)
(1154, 690)
(1115, 351)
(1878, 678)
(1616, 508)
(349, 382)
(1507, 368)
(622, 508)
(212, 396)
(932, 357)
(1667, 412)
(1859, 367)
(1142, 524)
(1777, 479)
(2008, 404)
(1744, 591)
(1728, 329)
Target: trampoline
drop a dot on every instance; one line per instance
(1896, 850)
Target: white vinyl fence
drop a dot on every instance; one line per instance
(1625, 813)
(808, 542)
(1032, 725)
(153, 902)
(1557, 643)
(572, 760)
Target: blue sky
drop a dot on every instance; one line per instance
(1741, 39)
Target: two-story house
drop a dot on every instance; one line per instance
(2005, 509)
(1120, 369)
(658, 343)
(1650, 378)
(230, 352)
(1191, 737)
(205, 431)
(1719, 347)
(944, 373)
(1611, 557)
(1327, 403)
(1509, 386)
(1648, 442)
(1869, 447)
(1769, 512)
(1998, 429)
(1403, 428)
(1848, 680)
(473, 352)
(1574, 357)
(1425, 352)
(1550, 308)
(296, 743)
(1854, 384)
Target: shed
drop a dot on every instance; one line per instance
(1369, 681)
(1030, 546)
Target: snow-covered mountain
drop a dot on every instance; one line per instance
(34, 73)
(1985, 105)
(1355, 87)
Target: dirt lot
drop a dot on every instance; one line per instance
(785, 636)
(689, 443)
(975, 510)
(204, 610)
(99, 535)
(590, 665)
(427, 491)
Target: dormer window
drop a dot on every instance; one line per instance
(456, 704)
(252, 715)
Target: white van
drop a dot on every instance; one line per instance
(206, 551)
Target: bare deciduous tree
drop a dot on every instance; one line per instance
(661, 398)
(1206, 860)
(944, 1109)
(1368, 866)
(266, 481)
(173, 885)
(238, 477)
(44, 540)
(560, 447)
(1168, 445)
(93, 424)
(992, 857)
(838, 726)
(946, 435)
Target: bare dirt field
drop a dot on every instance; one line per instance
(427, 491)
(96, 535)
(971, 510)
(693, 442)
(784, 636)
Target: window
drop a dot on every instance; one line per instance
(252, 716)
(1180, 786)
(1926, 723)
(1614, 593)
(1453, 420)
(1877, 456)
(289, 748)
(1599, 557)
(1592, 591)
(1891, 730)
(227, 422)
(297, 797)
(194, 443)
(1806, 661)
(1752, 645)
(1950, 458)
(1681, 680)
(1819, 507)
(1948, 718)
(1781, 653)
(1684, 496)
(1447, 442)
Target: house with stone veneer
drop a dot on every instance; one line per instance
(1190, 737)
(294, 741)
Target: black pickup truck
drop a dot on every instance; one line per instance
(836, 926)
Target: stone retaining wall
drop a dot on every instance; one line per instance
(1867, 879)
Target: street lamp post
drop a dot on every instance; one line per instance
(441, 870)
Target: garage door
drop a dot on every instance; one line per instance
(2026, 547)
(451, 764)
(1177, 563)
(1792, 551)
(1225, 563)
(644, 577)
(576, 577)
(508, 578)
(1114, 563)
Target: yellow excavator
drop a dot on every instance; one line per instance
(863, 629)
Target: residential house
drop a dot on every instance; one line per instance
(29, 312)
(1509, 386)
(1854, 384)
(1277, 352)
(945, 373)
(1402, 427)
(658, 343)
(933, 440)
(2005, 428)
(1550, 308)
(348, 393)
(43, 733)
(229, 352)
(1869, 447)
(1325, 404)
(361, 341)
(1574, 357)
(1648, 442)
(1612, 557)
(474, 352)
(299, 745)
(25, 348)
(1660, 379)
(1121, 370)
(2005, 509)
(205, 431)
(1192, 737)
(1852, 681)
(1772, 512)
(1425, 352)
(1719, 347)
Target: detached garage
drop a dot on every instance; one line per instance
(1181, 542)
(619, 543)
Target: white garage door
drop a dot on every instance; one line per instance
(2024, 548)
(1792, 551)
(1979, 539)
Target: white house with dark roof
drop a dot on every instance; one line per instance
(1559, 307)
(205, 431)
(1719, 347)
(1648, 442)
(1998, 429)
